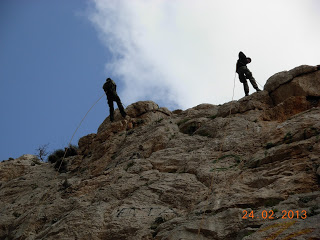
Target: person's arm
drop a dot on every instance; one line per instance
(115, 86)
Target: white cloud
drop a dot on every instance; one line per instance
(183, 53)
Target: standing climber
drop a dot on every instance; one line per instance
(244, 73)
(110, 89)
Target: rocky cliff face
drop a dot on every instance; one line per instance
(247, 169)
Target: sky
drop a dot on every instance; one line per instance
(56, 55)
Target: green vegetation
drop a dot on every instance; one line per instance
(249, 232)
(253, 163)
(58, 156)
(203, 133)
(172, 136)
(219, 169)
(129, 165)
(114, 156)
(66, 184)
(35, 161)
(213, 116)
(159, 120)
(287, 138)
(270, 145)
(183, 121)
(131, 131)
(157, 222)
(315, 130)
(271, 202)
(235, 157)
(15, 214)
(312, 211)
(305, 199)
(60, 153)
(192, 128)
(140, 121)
(310, 132)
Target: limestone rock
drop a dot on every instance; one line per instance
(256, 101)
(12, 169)
(289, 107)
(283, 77)
(246, 169)
(138, 113)
(304, 85)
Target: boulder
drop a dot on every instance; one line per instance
(138, 113)
(307, 85)
(283, 77)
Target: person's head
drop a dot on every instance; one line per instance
(249, 60)
(108, 79)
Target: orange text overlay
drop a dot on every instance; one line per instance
(285, 214)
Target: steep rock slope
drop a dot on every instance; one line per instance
(209, 172)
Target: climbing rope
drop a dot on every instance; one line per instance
(220, 154)
(259, 84)
(44, 197)
(65, 152)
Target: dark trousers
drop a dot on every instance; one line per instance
(244, 74)
(116, 99)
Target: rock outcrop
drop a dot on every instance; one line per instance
(247, 169)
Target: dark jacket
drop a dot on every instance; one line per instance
(110, 88)
(242, 61)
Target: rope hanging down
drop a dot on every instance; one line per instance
(44, 196)
(259, 84)
(65, 152)
(211, 183)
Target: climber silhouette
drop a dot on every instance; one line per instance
(110, 89)
(244, 73)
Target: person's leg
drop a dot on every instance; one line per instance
(111, 110)
(246, 87)
(123, 113)
(242, 78)
(253, 82)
